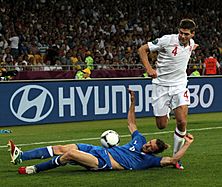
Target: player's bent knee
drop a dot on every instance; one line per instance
(57, 149)
(161, 122)
(62, 149)
(161, 126)
(70, 155)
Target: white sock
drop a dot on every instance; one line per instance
(178, 140)
(50, 151)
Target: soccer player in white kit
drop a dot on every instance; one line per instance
(169, 84)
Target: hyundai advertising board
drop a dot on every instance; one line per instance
(24, 103)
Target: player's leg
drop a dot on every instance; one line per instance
(37, 153)
(160, 103)
(162, 121)
(180, 104)
(62, 149)
(47, 152)
(180, 131)
(80, 157)
(51, 164)
(181, 124)
(18, 156)
(83, 158)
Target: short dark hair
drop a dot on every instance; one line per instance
(161, 145)
(187, 24)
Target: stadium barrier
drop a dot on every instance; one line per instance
(106, 73)
(96, 73)
(57, 101)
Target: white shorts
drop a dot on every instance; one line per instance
(167, 98)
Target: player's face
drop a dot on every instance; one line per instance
(150, 146)
(185, 35)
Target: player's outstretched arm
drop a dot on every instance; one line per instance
(131, 113)
(173, 160)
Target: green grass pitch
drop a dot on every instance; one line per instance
(202, 162)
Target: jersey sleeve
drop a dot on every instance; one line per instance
(156, 162)
(159, 43)
(137, 136)
(192, 43)
(135, 133)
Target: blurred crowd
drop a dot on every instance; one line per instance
(62, 34)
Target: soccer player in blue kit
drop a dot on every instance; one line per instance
(136, 155)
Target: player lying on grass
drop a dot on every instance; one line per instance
(135, 155)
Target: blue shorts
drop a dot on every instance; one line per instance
(99, 152)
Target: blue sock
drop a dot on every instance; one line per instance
(53, 163)
(39, 153)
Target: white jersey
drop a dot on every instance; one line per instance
(172, 60)
(14, 42)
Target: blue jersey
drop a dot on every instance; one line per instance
(130, 156)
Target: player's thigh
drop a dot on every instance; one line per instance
(160, 100)
(181, 112)
(83, 158)
(62, 149)
(180, 104)
(180, 99)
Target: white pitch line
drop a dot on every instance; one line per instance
(88, 139)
